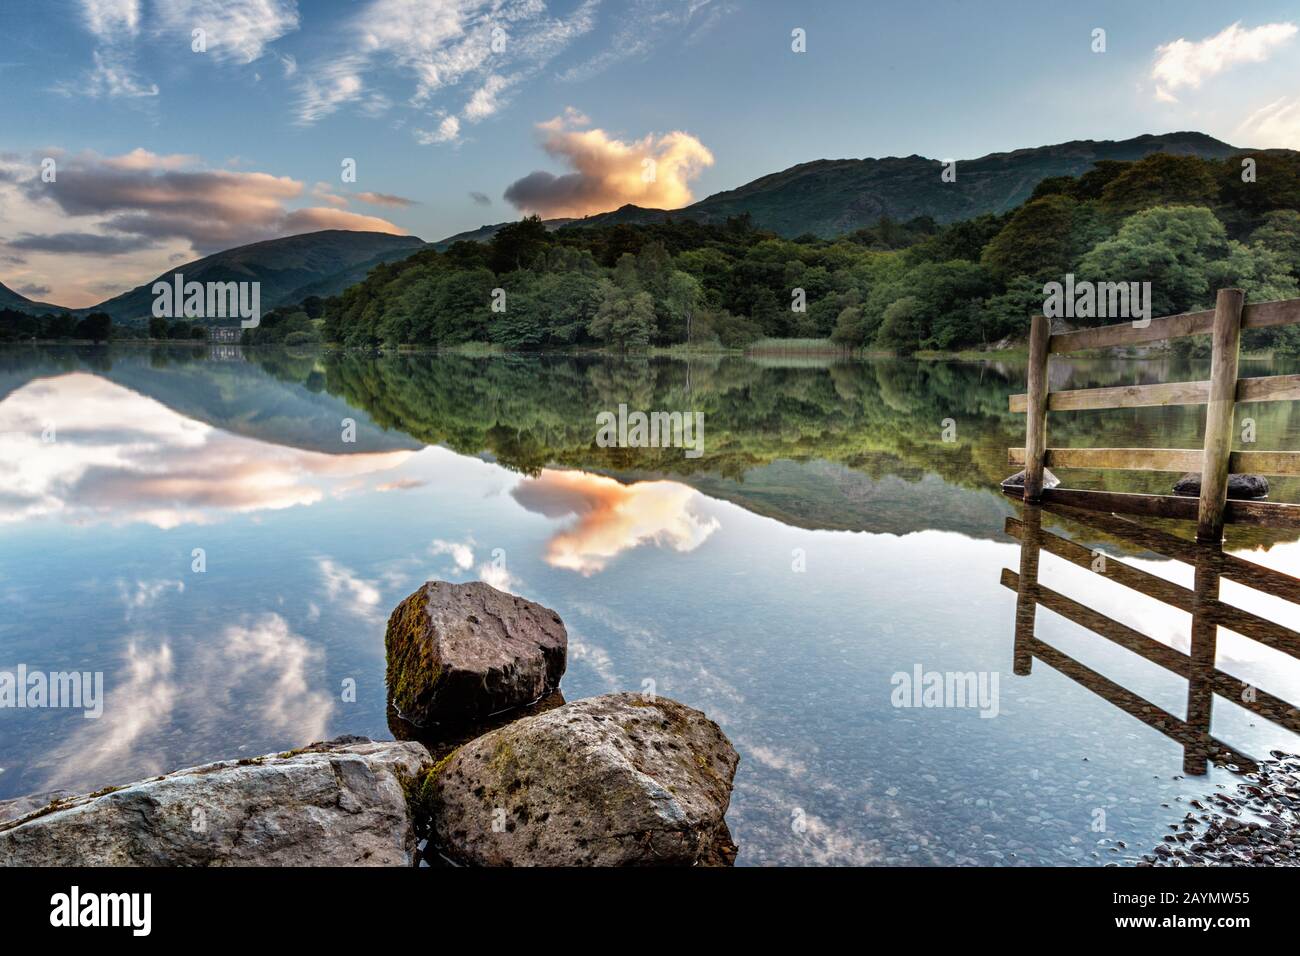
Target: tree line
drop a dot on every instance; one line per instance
(1185, 224)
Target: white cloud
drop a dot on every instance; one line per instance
(496, 575)
(1276, 125)
(644, 25)
(486, 99)
(436, 47)
(111, 19)
(236, 30)
(329, 87)
(112, 76)
(255, 682)
(461, 553)
(342, 583)
(143, 594)
(1186, 63)
(448, 131)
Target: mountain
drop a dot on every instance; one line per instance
(831, 197)
(289, 269)
(9, 299)
(484, 233)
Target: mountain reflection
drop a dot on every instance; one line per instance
(87, 450)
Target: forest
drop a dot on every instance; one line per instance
(1187, 225)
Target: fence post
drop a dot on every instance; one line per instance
(1218, 416)
(1202, 658)
(1040, 330)
(1031, 539)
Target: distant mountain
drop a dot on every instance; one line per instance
(831, 197)
(9, 299)
(485, 233)
(289, 269)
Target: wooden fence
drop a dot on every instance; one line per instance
(1214, 461)
(1199, 667)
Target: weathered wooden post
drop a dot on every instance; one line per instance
(1040, 331)
(1218, 416)
(1022, 659)
(1202, 659)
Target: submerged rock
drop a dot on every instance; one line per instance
(607, 781)
(1018, 480)
(1240, 487)
(460, 652)
(338, 803)
(1258, 825)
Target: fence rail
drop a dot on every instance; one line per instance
(1202, 601)
(1215, 460)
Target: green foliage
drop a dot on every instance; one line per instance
(1184, 224)
(1170, 247)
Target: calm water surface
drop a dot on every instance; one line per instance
(828, 539)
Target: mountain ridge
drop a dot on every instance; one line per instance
(822, 197)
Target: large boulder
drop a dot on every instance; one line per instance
(460, 652)
(18, 807)
(1240, 487)
(339, 803)
(607, 781)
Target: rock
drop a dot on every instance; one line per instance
(1018, 479)
(614, 780)
(460, 652)
(339, 803)
(21, 806)
(1240, 487)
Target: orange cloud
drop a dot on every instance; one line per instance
(653, 171)
(610, 517)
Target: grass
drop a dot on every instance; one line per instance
(794, 345)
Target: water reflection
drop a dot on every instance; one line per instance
(88, 451)
(1275, 644)
(610, 517)
(665, 568)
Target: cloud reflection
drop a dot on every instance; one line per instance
(610, 517)
(256, 686)
(88, 450)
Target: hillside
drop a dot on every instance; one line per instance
(9, 299)
(831, 197)
(486, 232)
(314, 263)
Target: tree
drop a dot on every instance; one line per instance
(624, 319)
(850, 328)
(1036, 241)
(157, 327)
(903, 327)
(1170, 247)
(517, 245)
(1161, 179)
(1280, 234)
(96, 327)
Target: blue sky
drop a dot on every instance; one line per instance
(164, 153)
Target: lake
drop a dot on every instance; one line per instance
(223, 533)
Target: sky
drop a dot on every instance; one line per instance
(177, 128)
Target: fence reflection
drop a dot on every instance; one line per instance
(1208, 612)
